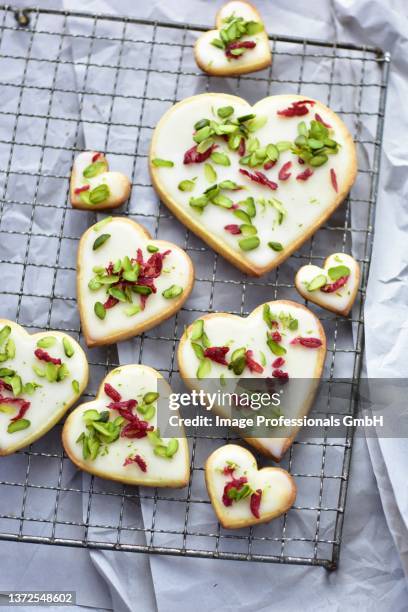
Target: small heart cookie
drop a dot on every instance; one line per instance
(41, 376)
(334, 286)
(239, 44)
(279, 340)
(116, 436)
(254, 182)
(241, 494)
(127, 282)
(93, 186)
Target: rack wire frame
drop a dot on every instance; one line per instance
(310, 539)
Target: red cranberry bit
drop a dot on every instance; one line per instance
(255, 503)
(110, 302)
(296, 109)
(269, 165)
(235, 483)
(112, 393)
(5, 386)
(276, 336)
(251, 363)
(234, 207)
(232, 229)
(244, 44)
(192, 156)
(228, 470)
(278, 363)
(303, 176)
(79, 190)
(242, 147)
(301, 161)
(307, 342)
(333, 178)
(96, 156)
(260, 178)
(138, 460)
(44, 356)
(21, 413)
(332, 287)
(217, 354)
(283, 172)
(280, 374)
(21, 404)
(320, 120)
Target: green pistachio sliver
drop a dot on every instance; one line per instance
(237, 365)
(222, 200)
(133, 310)
(162, 163)
(216, 42)
(268, 317)
(249, 244)
(302, 129)
(204, 368)
(253, 27)
(150, 397)
(209, 173)
(94, 284)
(4, 334)
(204, 145)
(245, 118)
(249, 205)
(63, 372)
(18, 425)
(283, 145)
(39, 371)
(16, 384)
(198, 350)
(238, 353)
(186, 185)
(149, 413)
(46, 342)
(275, 246)
(252, 145)
(318, 160)
(220, 158)
(98, 226)
(109, 279)
(313, 143)
(100, 241)
(205, 341)
(199, 203)
(95, 169)
(142, 289)
(272, 152)
(277, 204)
(10, 349)
(263, 358)
(151, 248)
(172, 292)
(154, 438)
(225, 111)
(243, 216)
(201, 123)
(172, 447)
(6, 409)
(277, 349)
(131, 275)
(75, 386)
(99, 194)
(51, 372)
(256, 123)
(118, 294)
(338, 271)
(100, 310)
(197, 329)
(160, 450)
(229, 185)
(6, 372)
(248, 230)
(68, 348)
(318, 281)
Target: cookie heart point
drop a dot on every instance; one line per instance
(241, 494)
(94, 187)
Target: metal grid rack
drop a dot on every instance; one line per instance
(67, 78)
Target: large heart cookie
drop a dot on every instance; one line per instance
(253, 182)
(281, 340)
(241, 494)
(93, 186)
(334, 286)
(116, 436)
(238, 45)
(127, 282)
(41, 376)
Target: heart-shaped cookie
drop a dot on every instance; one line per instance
(253, 182)
(127, 282)
(41, 376)
(334, 286)
(239, 44)
(116, 435)
(279, 340)
(241, 494)
(93, 186)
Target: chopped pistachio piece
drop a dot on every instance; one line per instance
(68, 348)
(249, 244)
(318, 281)
(100, 310)
(162, 163)
(172, 292)
(100, 241)
(18, 425)
(46, 342)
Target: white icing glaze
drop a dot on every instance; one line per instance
(117, 182)
(125, 238)
(52, 399)
(338, 300)
(132, 382)
(297, 196)
(276, 484)
(236, 332)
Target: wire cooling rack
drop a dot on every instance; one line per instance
(69, 76)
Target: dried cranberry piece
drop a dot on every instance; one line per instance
(301, 161)
(333, 178)
(269, 165)
(280, 374)
(96, 156)
(235, 483)
(303, 176)
(260, 178)
(307, 342)
(112, 393)
(296, 109)
(232, 229)
(244, 44)
(110, 302)
(138, 460)
(44, 356)
(21, 413)
(332, 287)
(283, 172)
(22, 404)
(217, 354)
(154, 265)
(255, 503)
(5, 386)
(228, 470)
(276, 336)
(320, 120)
(81, 189)
(278, 363)
(251, 363)
(192, 156)
(242, 147)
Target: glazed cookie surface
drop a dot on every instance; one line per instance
(334, 286)
(250, 181)
(279, 340)
(241, 494)
(116, 436)
(127, 282)
(239, 44)
(93, 186)
(41, 376)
